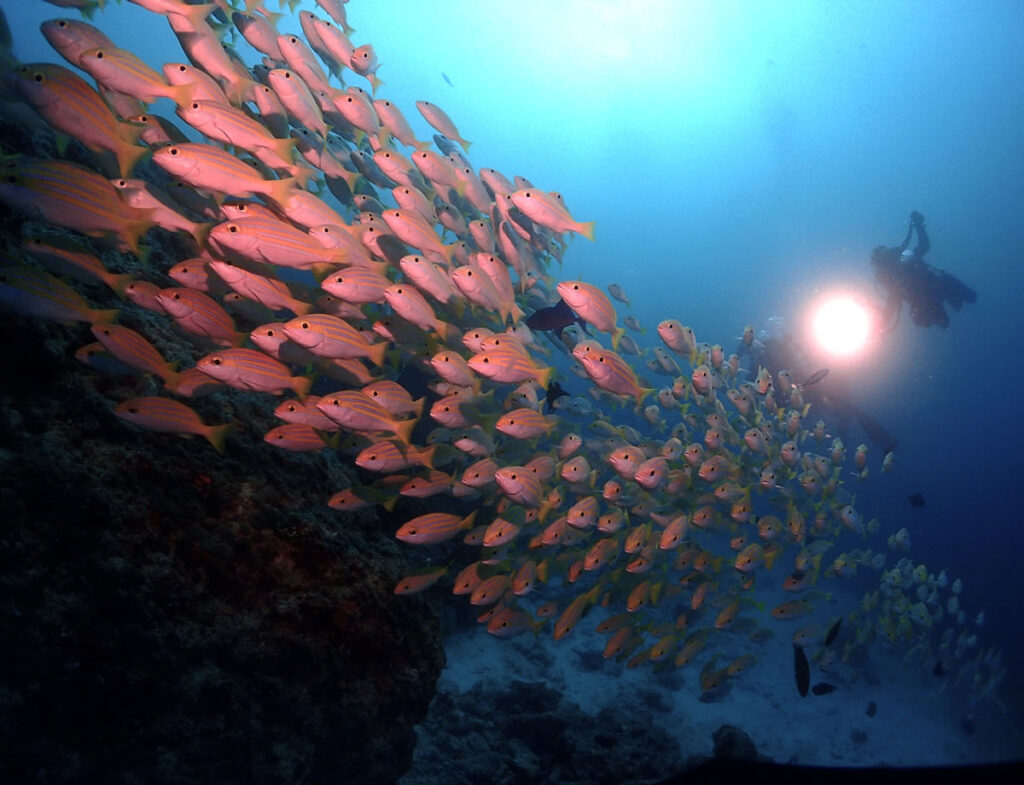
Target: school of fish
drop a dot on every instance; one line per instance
(698, 517)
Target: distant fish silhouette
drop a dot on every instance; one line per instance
(916, 500)
(445, 77)
(872, 709)
(802, 670)
(878, 435)
(554, 392)
(938, 670)
(555, 318)
(833, 632)
(823, 688)
(815, 377)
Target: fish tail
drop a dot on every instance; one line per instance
(197, 14)
(417, 409)
(403, 430)
(104, 317)
(238, 91)
(183, 95)
(216, 434)
(301, 385)
(467, 522)
(617, 334)
(465, 144)
(544, 377)
(375, 82)
(426, 457)
(302, 174)
(129, 156)
(587, 230)
(443, 329)
(377, 352)
(201, 233)
(487, 422)
(321, 270)
(132, 233)
(542, 571)
(280, 190)
(388, 502)
(172, 379)
(118, 283)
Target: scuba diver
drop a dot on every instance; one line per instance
(905, 276)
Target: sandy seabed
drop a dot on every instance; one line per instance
(919, 718)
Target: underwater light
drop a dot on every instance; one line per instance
(841, 325)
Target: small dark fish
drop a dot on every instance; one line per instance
(448, 147)
(5, 33)
(555, 392)
(938, 670)
(815, 377)
(833, 632)
(872, 709)
(823, 688)
(876, 432)
(369, 169)
(556, 317)
(392, 248)
(916, 500)
(968, 725)
(445, 77)
(802, 669)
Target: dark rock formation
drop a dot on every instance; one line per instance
(172, 615)
(525, 733)
(733, 744)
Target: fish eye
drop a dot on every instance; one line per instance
(216, 361)
(99, 55)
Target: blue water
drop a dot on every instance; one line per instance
(741, 162)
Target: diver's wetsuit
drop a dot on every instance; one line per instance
(923, 287)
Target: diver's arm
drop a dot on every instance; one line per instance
(923, 244)
(906, 240)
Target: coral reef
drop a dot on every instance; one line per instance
(171, 615)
